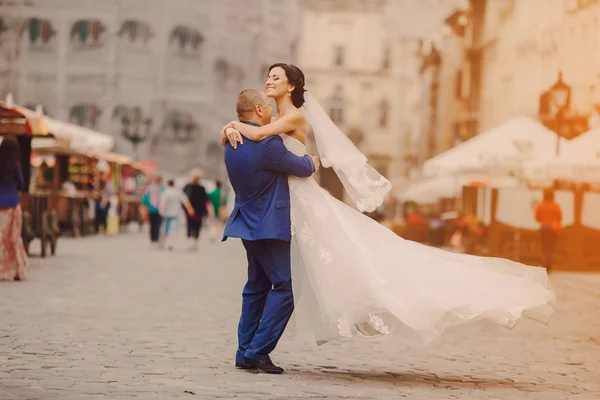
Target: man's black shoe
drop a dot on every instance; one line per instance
(266, 366)
(243, 366)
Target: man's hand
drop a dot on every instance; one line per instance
(317, 162)
(234, 137)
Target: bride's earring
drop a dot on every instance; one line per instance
(290, 94)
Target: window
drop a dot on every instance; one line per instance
(336, 108)
(458, 83)
(39, 31)
(87, 33)
(384, 111)
(386, 58)
(339, 56)
(186, 39)
(85, 114)
(136, 32)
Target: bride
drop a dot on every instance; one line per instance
(353, 277)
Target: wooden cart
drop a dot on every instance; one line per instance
(72, 209)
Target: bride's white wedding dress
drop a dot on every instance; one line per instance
(354, 277)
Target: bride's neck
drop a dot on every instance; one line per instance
(283, 104)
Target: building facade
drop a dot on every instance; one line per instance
(503, 56)
(161, 77)
(530, 44)
(361, 73)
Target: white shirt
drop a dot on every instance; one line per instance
(171, 200)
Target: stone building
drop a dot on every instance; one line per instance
(505, 56)
(162, 77)
(361, 72)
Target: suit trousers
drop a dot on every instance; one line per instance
(267, 299)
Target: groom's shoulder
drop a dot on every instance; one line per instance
(272, 140)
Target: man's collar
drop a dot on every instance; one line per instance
(250, 123)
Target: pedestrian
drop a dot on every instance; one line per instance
(216, 225)
(549, 215)
(198, 198)
(102, 206)
(13, 258)
(151, 201)
(170, 207)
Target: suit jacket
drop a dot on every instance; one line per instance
(258, 172)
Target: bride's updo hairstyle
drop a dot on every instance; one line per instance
(296, 77)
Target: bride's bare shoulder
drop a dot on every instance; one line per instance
(301, 131)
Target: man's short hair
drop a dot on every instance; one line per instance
(247, 101)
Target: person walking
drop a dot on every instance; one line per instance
(198, 198)
(13, 258)
(170, 207)
(151, 201)
(102, 206)
(216, 201)
(549, 215)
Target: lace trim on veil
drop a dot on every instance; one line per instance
(366, 187)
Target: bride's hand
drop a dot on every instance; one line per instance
(316, 162)
(224, 135)
(234, 137)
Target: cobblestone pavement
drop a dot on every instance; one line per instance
(108, 318)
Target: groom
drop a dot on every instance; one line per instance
(258, 172)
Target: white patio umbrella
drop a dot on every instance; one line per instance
(504, 148)
(429, 191)
(578, 162)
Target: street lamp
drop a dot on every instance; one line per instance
(559, 96)
(183, 127)
(135, 128)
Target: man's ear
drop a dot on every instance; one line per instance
(259, 110)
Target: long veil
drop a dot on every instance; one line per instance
(366, 187)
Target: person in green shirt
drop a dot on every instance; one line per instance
(151, 201)
(216, 199)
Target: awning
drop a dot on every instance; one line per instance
(431, 190)
(111, 157)
(507, 147)
(80, 138)
(17, 120)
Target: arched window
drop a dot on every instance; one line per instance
(87, 33)
(339, 56)
(222, 69)
(136, 32)
(39, 31)
(186, 39)
(386, 58)
(337, 105)
(85, 114)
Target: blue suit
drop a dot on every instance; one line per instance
(258, 172)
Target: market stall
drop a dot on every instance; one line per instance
(39, 214)
(126, 181)
(76, 178)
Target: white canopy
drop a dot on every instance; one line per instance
(80, 138)
(563, 168)
(585, 146)
(430, 190)
(506, 147)
(579, 162)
